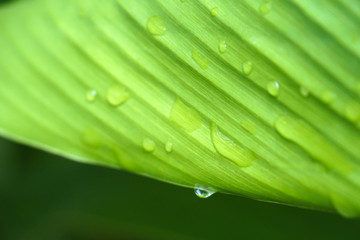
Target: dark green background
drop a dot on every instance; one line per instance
(46, 197)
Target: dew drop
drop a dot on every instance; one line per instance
(149, 145)
(328, 96)
(169, 147)
(222, 46)
(309, 139)
(226, 147)
(247, 67)
(273, 88)
(249, 126)
(214, 11)
(188, 118)
(352, 111)
(91, 138)
(200, 59)
(265, 7)
(156, 26)
(203, 192)
(91, 95)
(304, 91)
(117, 95)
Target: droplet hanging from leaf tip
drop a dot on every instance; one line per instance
(203, 192)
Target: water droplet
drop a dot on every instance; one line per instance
(304, 91)
(91, 95)
(247, 67)
(156, 26)
(328, 96)
(273, 88)
(226, 147)
(265, 7)
(91, 138)
(309, 139)
(249, 126)
(344, 206)
(352, 111)
(117, 95)
(203, 192)
(149, 145)
(169, 146)
(188, 118)
(200, 59)
(222, 46)
(214, 11)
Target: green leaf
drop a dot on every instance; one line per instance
(257, 98)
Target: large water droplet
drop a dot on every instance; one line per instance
(156, 26)
(91, 95)
(214, 11)
(226, 147)
(169, 146)
(91, 138)
(188, 118)
(200, 59)
(328, 96)
(222, 46)
(117, 95)
(273, 88)
(265, 7)
(203, 192)
(247, 67)
(352, 111)
(149, 145)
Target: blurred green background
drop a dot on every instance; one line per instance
(43, 196)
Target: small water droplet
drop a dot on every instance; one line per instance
(344, 206)
(273, 88)
(91, 95)
(91, 138)
(328, 96)
(226, 147)
(249, 126)
(203, 192)
(265, 7)
(247, 67)
(188, 118)
(214, 11)
(304, 91)
(149, 145)
(222, 46)
(156, 26)
(200, 59)
(169, 146)
(352, 111)
(117, 95)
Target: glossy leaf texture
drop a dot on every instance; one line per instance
(256, 98)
